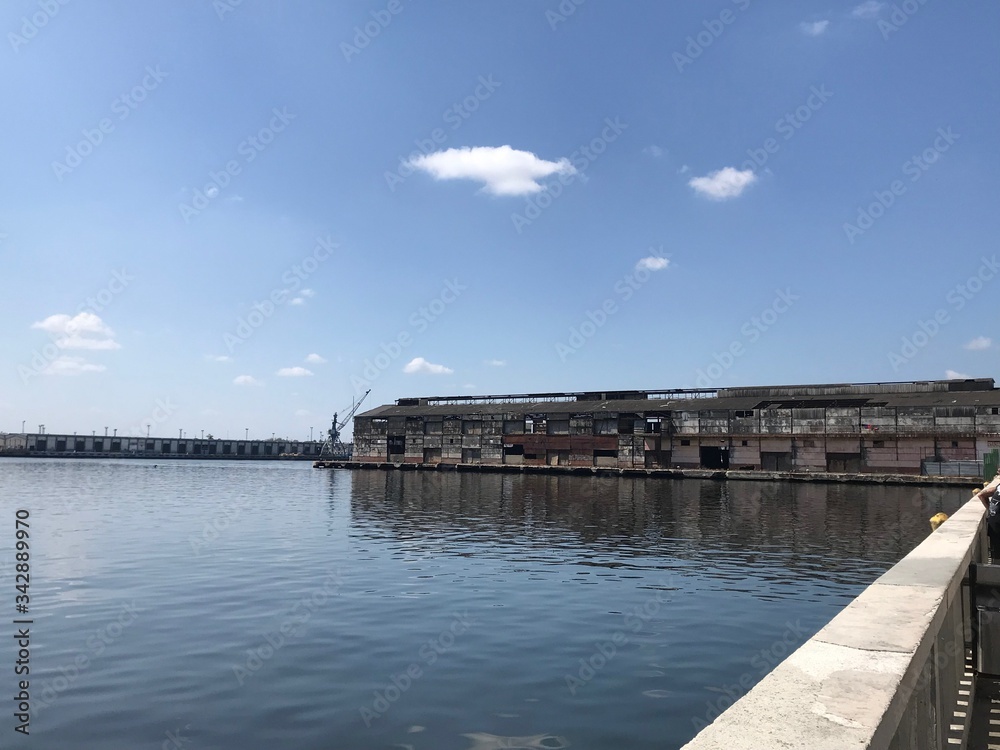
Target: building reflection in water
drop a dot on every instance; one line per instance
(629, 521)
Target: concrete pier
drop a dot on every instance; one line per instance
(714, 474)
(888, 673)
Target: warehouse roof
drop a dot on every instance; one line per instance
(945, 393)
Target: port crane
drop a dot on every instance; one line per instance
(333, 445)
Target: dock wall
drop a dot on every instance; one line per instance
(887, 673)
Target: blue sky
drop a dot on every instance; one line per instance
(199, 196)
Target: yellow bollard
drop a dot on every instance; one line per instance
(937, 519)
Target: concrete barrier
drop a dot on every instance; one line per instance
(885, 673)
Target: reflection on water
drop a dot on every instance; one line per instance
(280, 606)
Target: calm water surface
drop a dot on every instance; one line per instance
(262, 605)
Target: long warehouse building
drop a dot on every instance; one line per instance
(863, 427)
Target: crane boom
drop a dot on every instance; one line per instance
(333, 442)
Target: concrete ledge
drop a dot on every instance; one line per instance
(713, 474)
(850, 685)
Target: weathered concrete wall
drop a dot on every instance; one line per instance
(814, 439)
(883, 674)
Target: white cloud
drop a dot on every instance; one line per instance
(71, 366)
(653, 263)
(979, 343)
(655, 151)
(294, 372)
(212, 191)
(952, 375)
(814, 28)
(419, 364)
(308, 293)
(503, 170)
(869, 9)
(297, 301)
(684, 169)
(219, 358)
(246, 380)
(725, 183)
(315, 359)
(83, 331)
(496, 362)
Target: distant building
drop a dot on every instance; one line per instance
(12, 441)
(865, 427)
(82, 446)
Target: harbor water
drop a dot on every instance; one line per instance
(226, 606)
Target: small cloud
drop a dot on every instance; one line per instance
(869, 9)
(315, 359)
(952, 375)
(297, 301)
(979, 343)
(246, 380)
(234, 199)
(82, 331)
(655, 151)
(211, 191)
(814, 28)
(502, 170)
(307, 293)
(496, 362)
(684, 169)
(653, 263)
(294, 372)
(724, 184)
(71, 366)
(218, 358)
(419, 364)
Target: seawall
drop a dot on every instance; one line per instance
(713, 474)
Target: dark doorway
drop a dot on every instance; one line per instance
(713, 457)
